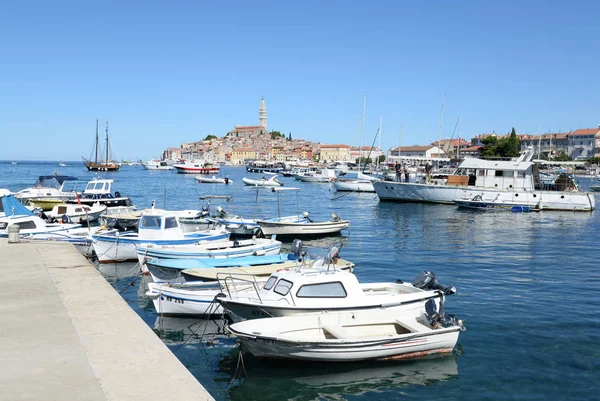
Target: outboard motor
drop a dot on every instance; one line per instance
(297, 249)
(305, 215)
(433, 315)
(226, 180)
(205, 212)
(335, 217)
(333, 254)
(427, 281)
(66, 219)
(117, 194)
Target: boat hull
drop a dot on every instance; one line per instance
(428, 193)
(353, 186)
(117, 247)
(196, 170)
(302, 228)
(184, 301)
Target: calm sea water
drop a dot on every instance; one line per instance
(527, 293)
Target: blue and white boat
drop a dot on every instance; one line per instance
(478, 203)
(155, 229)
(209, 249)
(169, 270)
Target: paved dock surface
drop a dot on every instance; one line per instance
(66, 334)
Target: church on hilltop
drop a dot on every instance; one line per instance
(247, 131)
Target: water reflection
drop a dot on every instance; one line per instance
(179, 331)
(309, 381)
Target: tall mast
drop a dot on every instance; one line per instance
(379, 145)
(458, 144)
(400, 146)
(107, 143)
(441, 121)
(362, 130)
(96, 159)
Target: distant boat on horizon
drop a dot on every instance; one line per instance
(14, 163)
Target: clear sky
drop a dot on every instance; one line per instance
(167, 72)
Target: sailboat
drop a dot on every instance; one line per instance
(99, 165)
(363, 182)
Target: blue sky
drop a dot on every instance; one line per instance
(163, 73)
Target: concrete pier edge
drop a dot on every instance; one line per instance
(66, 334)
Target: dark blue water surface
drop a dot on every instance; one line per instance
(527, 292)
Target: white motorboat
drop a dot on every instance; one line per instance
(305, 291)
(77, 213)
(156, 164)
(198, 298)
(153, 229)
(265, 181)
(98, 191)
(324, 175)
(209, 249)
(50, 187)
(213, 180)
(362, 183)
(350, 336)
(198, 166)
(515, 181)
(32, 224)
(300, 224)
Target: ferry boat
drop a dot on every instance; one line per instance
(259, 166)
(515, 181)
(196, 167)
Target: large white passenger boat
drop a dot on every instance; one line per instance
(515, 181)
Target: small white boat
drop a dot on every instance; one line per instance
(99, 191)
(324, 175)
(265, 181)
(156, 164)
(362, 183)
(350, 336)
(153, 229)
(50, 186)
(300, 224)
(77, 213)
(213, 180)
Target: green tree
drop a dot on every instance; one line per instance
(290, 136)
(381, 158)
(209, 137)
(490, 145)
(276, 134)
(593, 160)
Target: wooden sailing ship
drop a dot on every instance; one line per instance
(101, 165)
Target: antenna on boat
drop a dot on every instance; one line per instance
(442, 119)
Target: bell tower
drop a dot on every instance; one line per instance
(262, 114)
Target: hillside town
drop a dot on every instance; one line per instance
(254, 142)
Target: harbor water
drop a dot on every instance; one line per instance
(526, 291)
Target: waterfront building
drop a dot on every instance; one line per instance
(584, 143)
(366, 152)
(239, 156)
(334, 153)
(415, 155)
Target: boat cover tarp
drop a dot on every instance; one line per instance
(12, 207)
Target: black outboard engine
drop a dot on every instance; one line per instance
(66, 219)
(333, 254)
(432, 313)
(226, 180)
(117, 194)
(427, 281)
(205, 212)
(297, 249)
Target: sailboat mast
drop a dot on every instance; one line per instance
(379, 145)
(362, 130)
(400, 146)
(458, 144)
(96, 159)
(441, 121)
(107, 143)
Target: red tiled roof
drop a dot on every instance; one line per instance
(585, 131)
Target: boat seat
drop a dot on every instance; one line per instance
(336, 330)
(413, 325)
